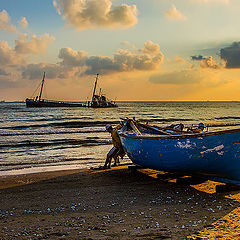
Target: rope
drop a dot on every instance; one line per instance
(36, 89)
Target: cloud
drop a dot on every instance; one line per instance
(208, 62)
(82, 14)
(33, 71)
(78, 62)
(34, 45)
(151, 48)
(71, 58)
(5, 22)
(197, 58)
(174, 14)
(147, 59)
(8, 56)
(23, 22)
(231, 55)
(17, 56)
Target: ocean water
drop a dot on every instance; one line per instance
(43, 139)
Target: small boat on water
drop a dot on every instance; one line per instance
(212, 155)
(98, 101)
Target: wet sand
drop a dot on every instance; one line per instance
(114, 204)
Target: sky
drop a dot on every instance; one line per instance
(164, 50)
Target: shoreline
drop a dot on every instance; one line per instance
(113, 204)
(44, 169)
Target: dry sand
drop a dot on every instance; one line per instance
(114, 204)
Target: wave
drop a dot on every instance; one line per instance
(59, 142)
(51, 132)
(166, 120)
(226, 118)
(65, 124)
(57, 119)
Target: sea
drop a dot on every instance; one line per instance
(49, 139)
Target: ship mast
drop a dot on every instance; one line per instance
(95, 87)
(40, 95)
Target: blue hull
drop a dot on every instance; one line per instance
(212, 154)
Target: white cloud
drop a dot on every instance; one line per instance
(147, 59)
(8, 56)
(208, 62)
(174, 14)
(23, 22)
(5, 22)
(151, 48)
(82, 14)
(34, 45)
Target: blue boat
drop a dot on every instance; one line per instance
(213, 155)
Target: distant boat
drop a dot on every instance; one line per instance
(212, 155)
(98, 101)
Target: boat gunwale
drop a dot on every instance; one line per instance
(189, 135)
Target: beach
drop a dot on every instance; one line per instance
(114, 204)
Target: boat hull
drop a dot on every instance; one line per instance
(215, 155)
(42, 103)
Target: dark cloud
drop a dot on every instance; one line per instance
(146, 59)
(71, 58)
(101, 64)
(231, 55)
(76, 63)
(33, 71)
(198, 58)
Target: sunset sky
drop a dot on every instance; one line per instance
(142, 49)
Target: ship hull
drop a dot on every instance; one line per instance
(30, 103)
(43, 103)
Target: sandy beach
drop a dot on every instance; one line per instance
(114, 204)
